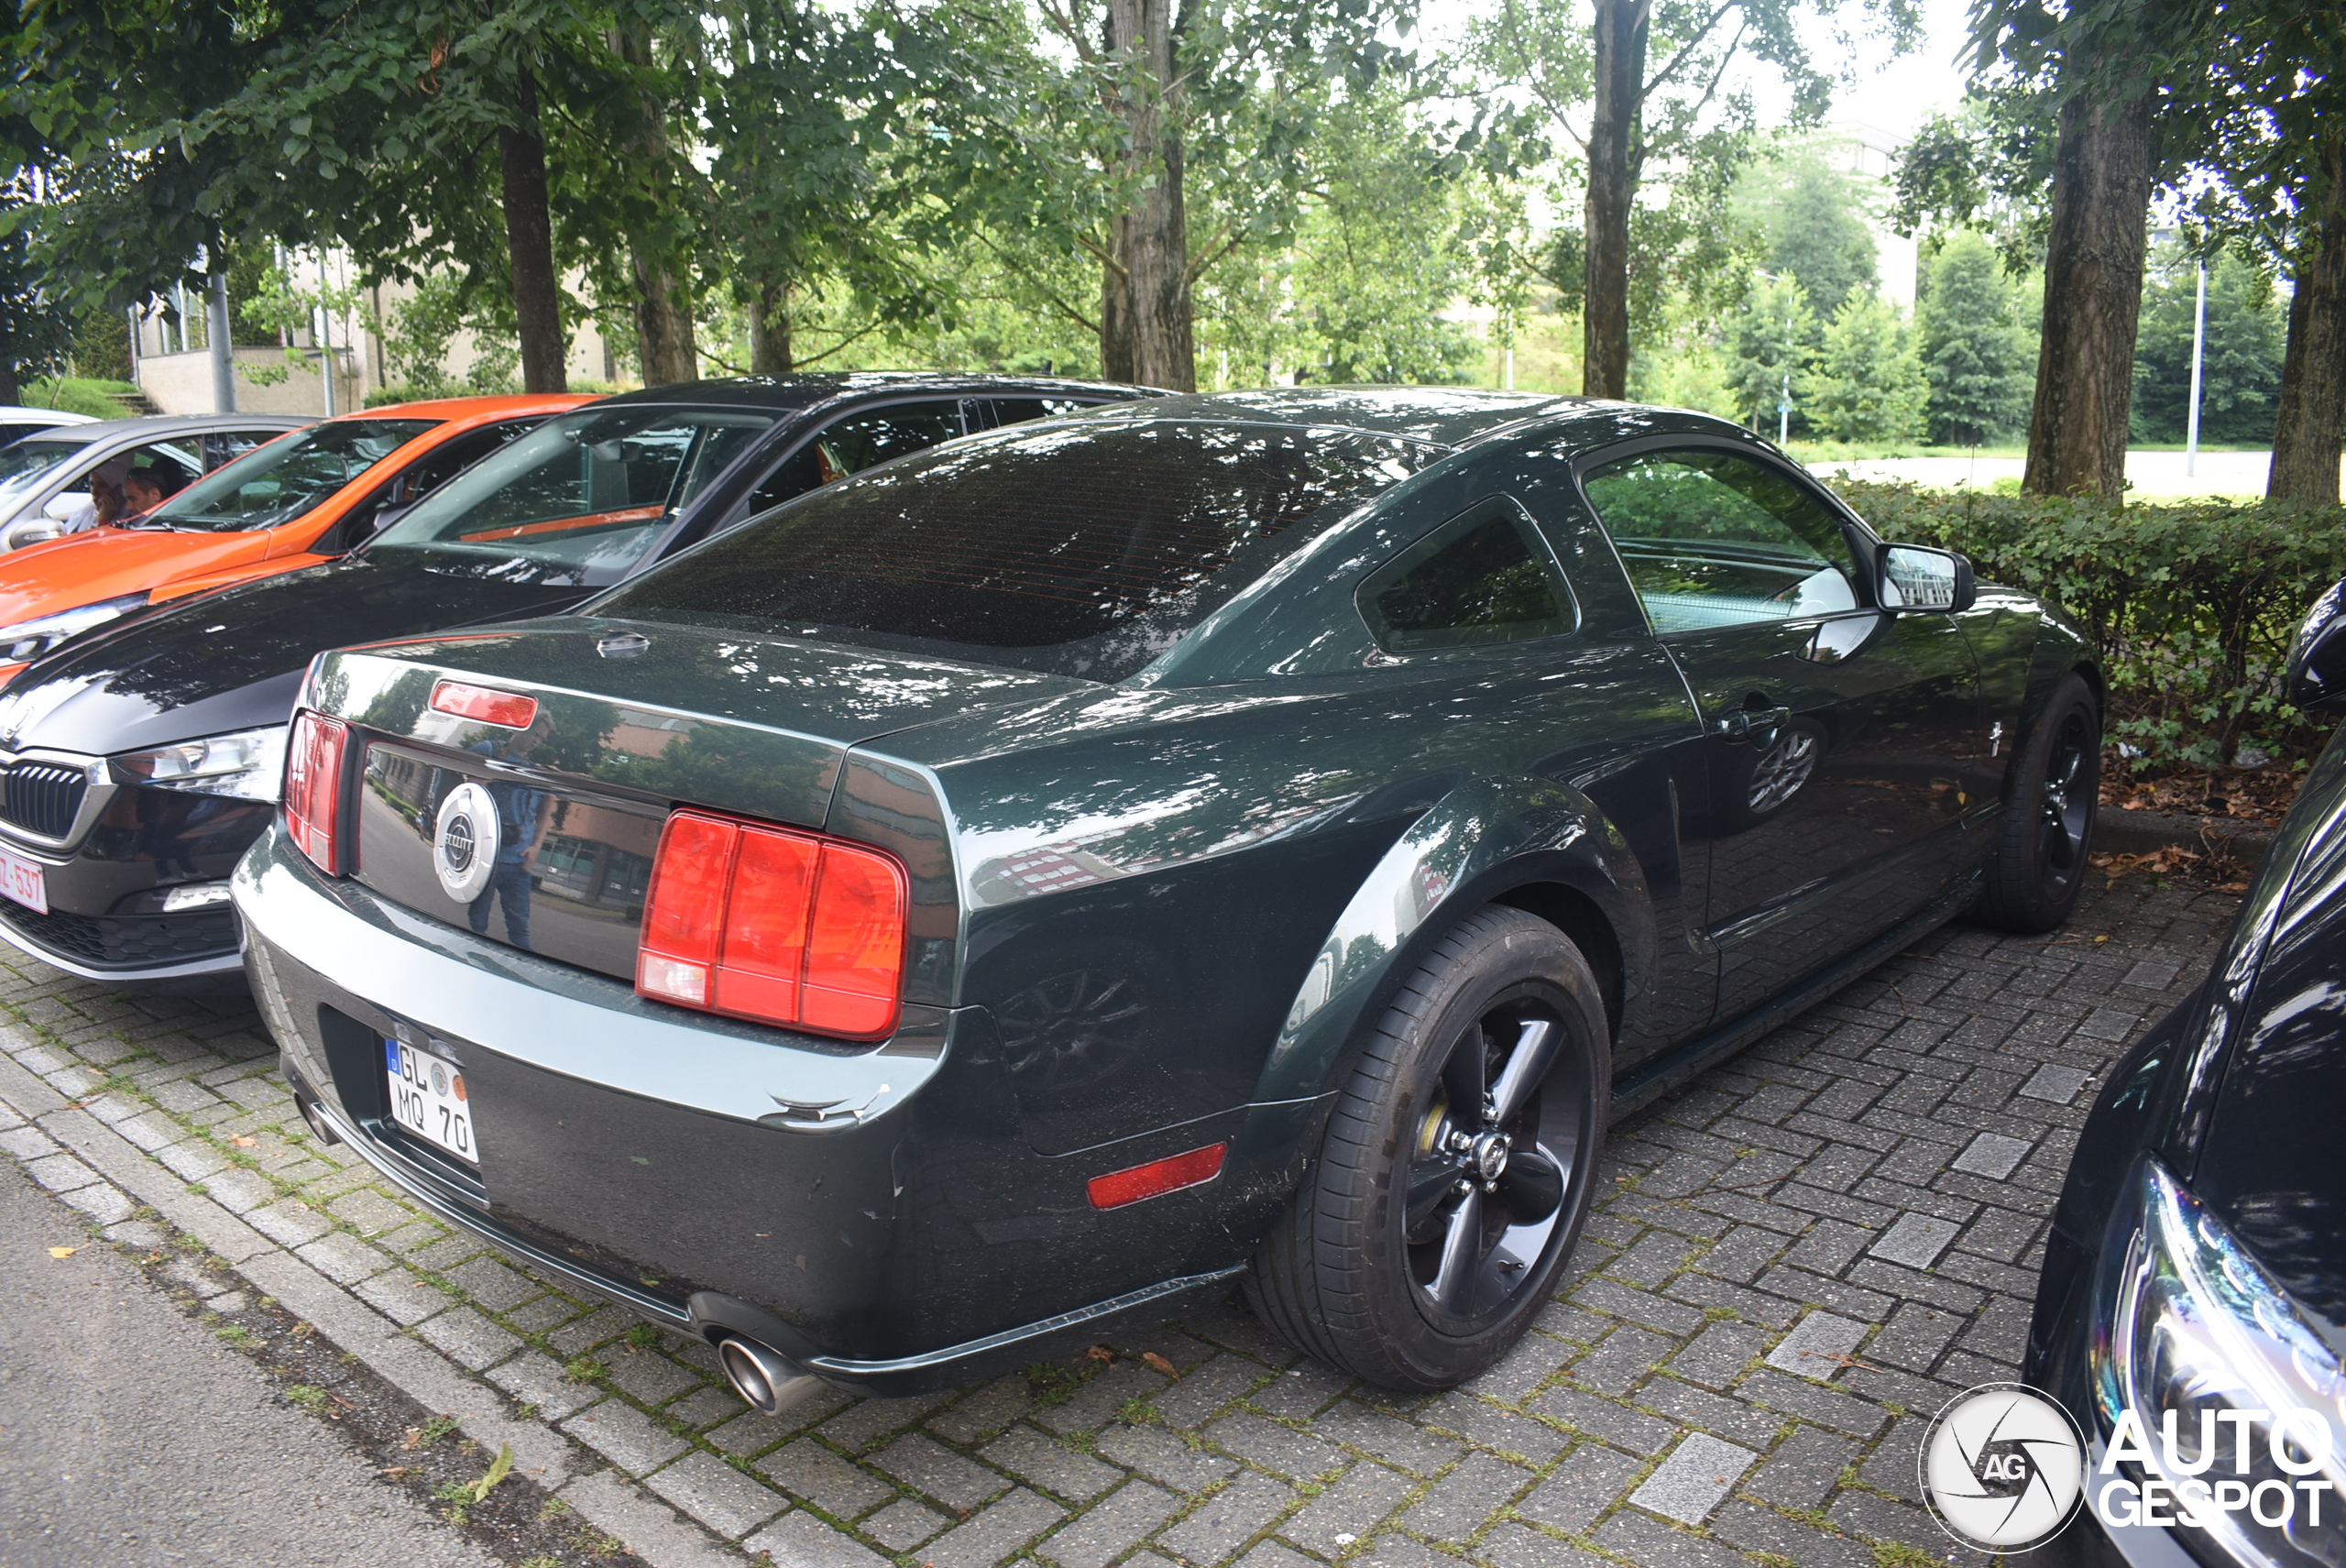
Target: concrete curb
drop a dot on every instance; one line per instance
(2143, 832)
(600, 1496)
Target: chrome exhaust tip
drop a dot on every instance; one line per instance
(768, 1382)
(316, 1120)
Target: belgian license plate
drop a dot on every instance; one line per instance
(21, 880)
(429, 1099)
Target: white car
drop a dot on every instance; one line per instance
(16, 420)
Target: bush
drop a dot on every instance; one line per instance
(78, 395)
(2191, 606)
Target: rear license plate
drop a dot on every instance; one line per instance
(21, 880)
(429, 1099)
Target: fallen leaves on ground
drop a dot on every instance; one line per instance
(498, 1469)
(1161, 1365)
(1102, 1353)
(244, 1143)
(63, 1252)
(2254, 797)
(2215, 863)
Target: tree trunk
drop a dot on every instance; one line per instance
(2093, 298)
(1115, 314)
(9, 391)
(664, 329)
(1621, 30)
(2312, 402)
(1152, 237)
(529, 240)
(770, 332)
(664, 324)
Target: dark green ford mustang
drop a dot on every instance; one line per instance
(1040, 882)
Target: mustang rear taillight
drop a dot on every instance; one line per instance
(766, 923)
(313, 787)
(510, 709)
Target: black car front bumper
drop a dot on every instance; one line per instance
(875, 1215)
(109, 853)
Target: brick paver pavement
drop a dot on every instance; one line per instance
(1801, 1256)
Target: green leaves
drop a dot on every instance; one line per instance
(2191, 606)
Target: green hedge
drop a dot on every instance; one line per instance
(2192, 605)
(77, 395)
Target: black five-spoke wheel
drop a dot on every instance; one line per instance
(1456, 1169)
(1485, 1187)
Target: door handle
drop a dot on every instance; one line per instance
(1756, 724)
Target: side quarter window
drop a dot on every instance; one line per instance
(1018, 411)
(854, 443)
(1713, 538)
(1481, 579)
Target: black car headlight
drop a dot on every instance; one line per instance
(29, 640)
(249, 765)
(2212, 1395)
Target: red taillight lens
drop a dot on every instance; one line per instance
(766, 923)
(509, 709)
(313, 787)
(1157, 1178)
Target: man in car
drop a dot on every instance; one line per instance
(105, 503)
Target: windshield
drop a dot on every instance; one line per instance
(286, 479)
(577, 500)
(32, 455)
(1077, 549)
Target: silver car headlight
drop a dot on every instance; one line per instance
(2197, 1341)
(29, 640)
(249, 765)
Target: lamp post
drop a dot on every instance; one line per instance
(2198, 358)
(1784, 390)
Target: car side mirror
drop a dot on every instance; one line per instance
(1916, 576)
(2318, 658)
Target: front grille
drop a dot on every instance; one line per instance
(43, 797)
(136, 941)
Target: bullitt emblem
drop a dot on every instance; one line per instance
(464, 842)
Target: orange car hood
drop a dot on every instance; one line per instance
(107, 562)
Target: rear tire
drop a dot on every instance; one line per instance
(2038, 866)
(1457, 1167)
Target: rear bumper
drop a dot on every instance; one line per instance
(907, 1239)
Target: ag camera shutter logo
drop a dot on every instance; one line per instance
(2002, 1468)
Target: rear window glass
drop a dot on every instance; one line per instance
(578, 500)
(1077, 549)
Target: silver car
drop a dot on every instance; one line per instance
(45, 477)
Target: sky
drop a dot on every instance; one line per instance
(1888, 96)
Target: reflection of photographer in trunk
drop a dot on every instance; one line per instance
(519, 828)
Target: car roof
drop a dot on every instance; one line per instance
(14, 412)
(1444, 416)
(1447, 416)
(789, 394)
(161, 427)
(491, 406)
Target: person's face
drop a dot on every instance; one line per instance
(140, 493)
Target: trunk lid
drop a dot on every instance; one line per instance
(633, 720)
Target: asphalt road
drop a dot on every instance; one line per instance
(132, 1437)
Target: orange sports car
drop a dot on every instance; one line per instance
(308, 495)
